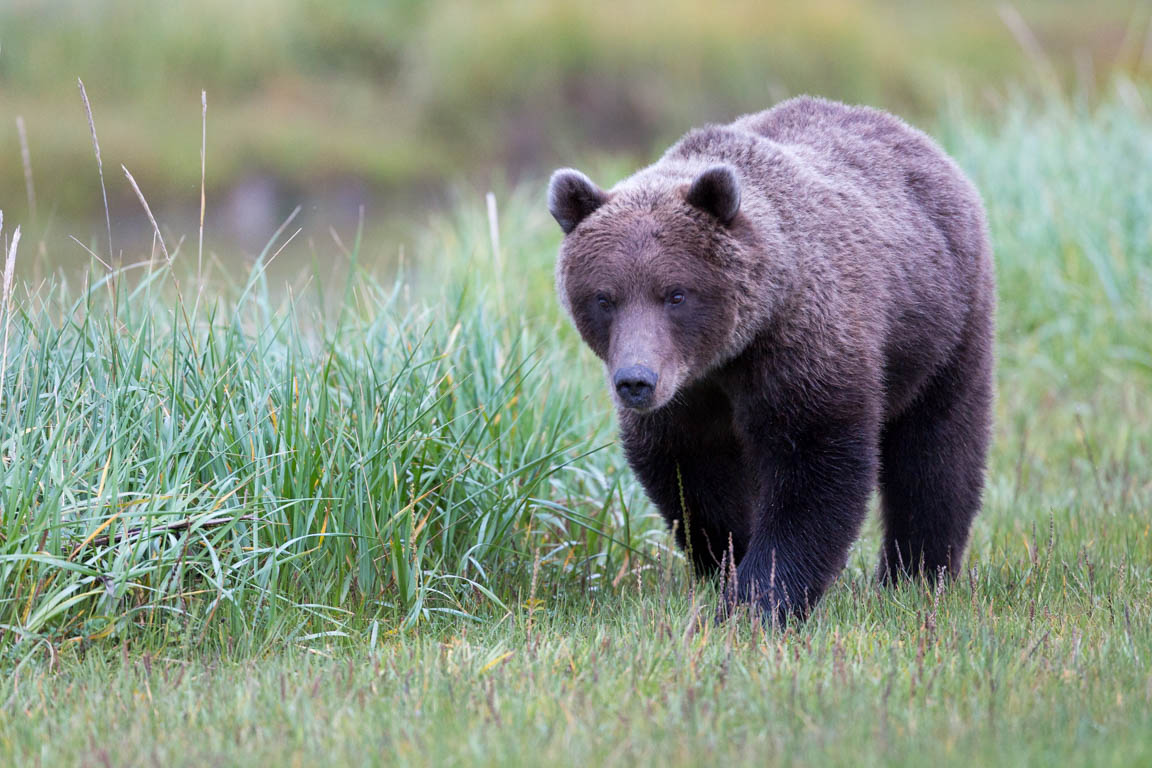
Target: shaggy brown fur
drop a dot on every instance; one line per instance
(794, 308)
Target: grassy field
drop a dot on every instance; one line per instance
(366, 520)
(408, 93)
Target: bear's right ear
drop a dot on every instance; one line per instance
(572, 197)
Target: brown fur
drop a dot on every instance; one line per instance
(795, 307)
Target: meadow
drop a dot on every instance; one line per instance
(399, 95)
(365, 518)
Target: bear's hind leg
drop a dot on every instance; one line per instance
(932, 467)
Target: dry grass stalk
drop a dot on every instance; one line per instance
(5, 307)
(99, 164)
(132, 534)
(26, 159)
(203, 161)
(164, 249)
(1029, 44)
(148, 210)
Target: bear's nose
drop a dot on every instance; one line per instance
(635, 385)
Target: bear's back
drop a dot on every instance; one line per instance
(812, 121)
(881, 157)
(905, 225)
(856, 145)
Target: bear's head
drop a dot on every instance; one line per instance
(656, 276)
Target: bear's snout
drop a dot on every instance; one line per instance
(636, 386)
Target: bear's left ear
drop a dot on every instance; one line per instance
(572, 196)
(716, 191)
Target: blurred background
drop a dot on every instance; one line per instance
(399, 108)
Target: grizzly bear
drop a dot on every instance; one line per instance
(794, 308)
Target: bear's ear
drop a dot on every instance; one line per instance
(716, 191)
(572, 197)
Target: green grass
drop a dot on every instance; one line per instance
(401, 93)
(183, 465)
(1012, 668)
(396, 541)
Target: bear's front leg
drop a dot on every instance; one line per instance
(817, 473)
(691, 463)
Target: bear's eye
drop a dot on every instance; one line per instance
(603, 301)
(676, 297)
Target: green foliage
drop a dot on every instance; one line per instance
(180, 453)
(369, 522)
(1039, 657)
(399, 93)
(174, 461)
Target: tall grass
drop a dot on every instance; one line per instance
(197, 468)
(237, 464)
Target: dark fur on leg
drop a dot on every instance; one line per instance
(933, 465)
(690, 462)
(820, 479)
